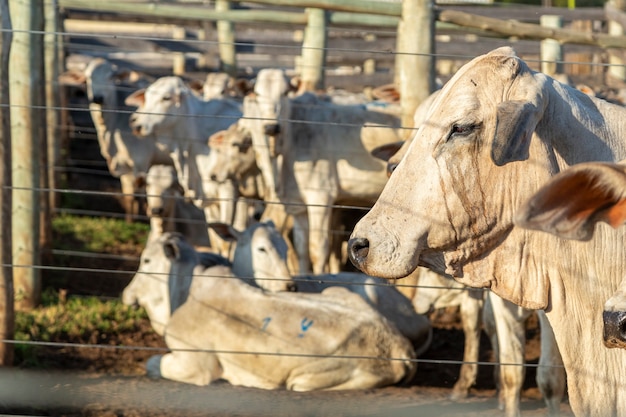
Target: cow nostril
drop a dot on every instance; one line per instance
(213, 177)
(358, 249)
(292, 287)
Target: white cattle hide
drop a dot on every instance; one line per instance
(495, 134)
(381, 295)
(127, 156)
(569, 206)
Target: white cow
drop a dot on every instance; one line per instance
(127, 156)
(181, 123)
(569, 206)
(496, 132)
(314, 154)
(169, 210)
(251, 337)
(258, 259)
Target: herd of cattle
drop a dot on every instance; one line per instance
(243, 275)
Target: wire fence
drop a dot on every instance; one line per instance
(83, 159)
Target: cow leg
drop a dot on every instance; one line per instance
(470, 309)
(329, 374)
(319, 211)
(301, 241)
(190, 367)
(551, 373)
(511, 333)
(127, 182)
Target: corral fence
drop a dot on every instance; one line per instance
(325, 42)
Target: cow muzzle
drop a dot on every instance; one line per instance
(614, 329)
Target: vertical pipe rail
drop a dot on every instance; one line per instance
(27, 121)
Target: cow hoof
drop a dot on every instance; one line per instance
(153, 366)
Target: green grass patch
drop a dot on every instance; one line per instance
(97, 234)
(76, 320)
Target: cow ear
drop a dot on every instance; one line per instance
(136, 99)
(217, 138)
(225, 231)
(171, 249)
(572, 203)
(515, 124)
(386, 151)
(73, 78)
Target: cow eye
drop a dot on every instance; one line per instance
(167, 97)
(461, 130)
(391, 166)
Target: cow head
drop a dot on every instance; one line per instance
(158, 105)
(231, 156)
(162, 281)
(261, 255)
(162, 191)
(450, 200)
(569, 206)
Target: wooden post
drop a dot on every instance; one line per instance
(551, 51)
(314, 50)
(52, 64)
(27, 132)
(415, 65)
(617, 68)
(7, 318)
(178, 62)
(226, 40)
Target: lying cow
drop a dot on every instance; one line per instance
(251, 337)
(569, 206)
(168, 209)
(127, 156)
(257, 259)
(494, 135)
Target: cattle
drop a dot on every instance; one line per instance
(168, 209)
(127, 156)
(259, 259)
(314, 154)
(569, 206)
(495, 134)
(181, 123)
(251, 337)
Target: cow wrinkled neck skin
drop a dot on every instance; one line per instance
(494, 135)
